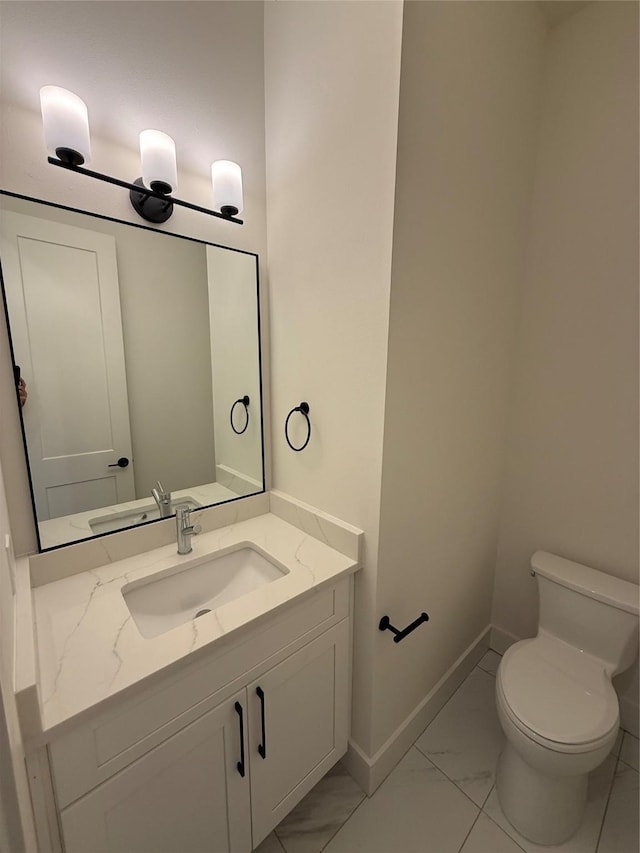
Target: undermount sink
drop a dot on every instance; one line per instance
(181, 595)
(129, 517)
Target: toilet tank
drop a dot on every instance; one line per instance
(591, 610)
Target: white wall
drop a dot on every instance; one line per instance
(208, 93)
(16, 824)
(233, 320)
(571, 484)
(163, 294)
(331, 82)
(466, 150)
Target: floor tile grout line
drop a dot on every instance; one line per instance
(495, 823)
(355, 809)
(453, 781)
(631, 735)
(626, 764)
(282, 847)
(488, 671)
(378, 788)
(470, 831)
(444, 707)
(342, 825)
(491, 789)
(619, 749)
(606, 808)
(637, 746)
(450, 698)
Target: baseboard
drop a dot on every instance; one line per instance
(500, 640)
(358, 766)
(239, 483)
(629, 715)
(370, 772)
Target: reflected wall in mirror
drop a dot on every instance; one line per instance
(134, 344)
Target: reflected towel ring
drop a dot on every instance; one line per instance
(245, 402)
(303, 408)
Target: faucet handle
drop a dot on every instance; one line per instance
(161, 490)
(184, 528)
(183, 515)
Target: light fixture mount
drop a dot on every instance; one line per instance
(150, 207)
(68, 155)
(141, 189)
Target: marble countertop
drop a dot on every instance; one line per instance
(87, 645)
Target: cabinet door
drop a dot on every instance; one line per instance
(305, 704)
(185, 796)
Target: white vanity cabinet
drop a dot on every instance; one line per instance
(185, 795)
(305, 700)
(221, 773)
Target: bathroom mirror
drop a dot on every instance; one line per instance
(140, 352)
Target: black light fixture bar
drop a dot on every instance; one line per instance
(140, 188)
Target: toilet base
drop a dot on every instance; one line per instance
(543, 808)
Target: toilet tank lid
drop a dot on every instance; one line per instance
(619, 593)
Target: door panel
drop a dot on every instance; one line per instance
(62, 289)
(91, 494)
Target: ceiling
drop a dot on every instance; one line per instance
(192, 69)
(557, 10)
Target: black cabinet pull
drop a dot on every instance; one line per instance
(123, 462)
(240, 764)
(262, 747)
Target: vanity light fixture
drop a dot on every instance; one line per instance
(66, 131)
(66, 125)
(226, 178)
(159, 173)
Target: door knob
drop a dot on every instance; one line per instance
(123, 462)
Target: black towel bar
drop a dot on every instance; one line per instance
(385, 625)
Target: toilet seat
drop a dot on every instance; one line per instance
(557, 695)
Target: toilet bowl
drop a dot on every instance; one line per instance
(555, 700)
(559, 713)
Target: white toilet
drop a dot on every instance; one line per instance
(556, 703)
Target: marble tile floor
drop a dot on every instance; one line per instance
(441, 797)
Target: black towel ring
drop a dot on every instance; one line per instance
(303, 408)
(245, 402)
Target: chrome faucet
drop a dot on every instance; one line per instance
(184, 529)
(163, 499)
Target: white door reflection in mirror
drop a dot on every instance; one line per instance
(63, 298)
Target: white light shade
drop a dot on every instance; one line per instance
(66, 124)
(158, 159)
(226, 177)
